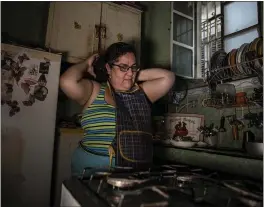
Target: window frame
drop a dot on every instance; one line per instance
(223, 4)
(199, 40)
(173, 42)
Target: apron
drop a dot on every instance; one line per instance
(132, 145)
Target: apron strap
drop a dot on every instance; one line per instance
(111, 154)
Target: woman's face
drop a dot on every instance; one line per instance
(119, 77)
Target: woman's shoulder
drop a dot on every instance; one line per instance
(98, 86)
(96, 90)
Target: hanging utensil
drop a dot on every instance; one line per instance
(221, 130)
(236, 126)
(222, 125)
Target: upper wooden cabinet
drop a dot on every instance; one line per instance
(72, 27)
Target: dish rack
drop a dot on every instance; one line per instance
(217, 103)
(245, 61)
(227, 73)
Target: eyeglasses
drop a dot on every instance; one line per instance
(125, 68)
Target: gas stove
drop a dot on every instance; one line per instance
(167, 185)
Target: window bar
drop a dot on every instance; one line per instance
(193, 42)
(208, 48)
(215, 26)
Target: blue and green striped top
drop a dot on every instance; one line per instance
(98, 122)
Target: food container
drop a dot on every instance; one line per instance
(211, 141)
(241, 98)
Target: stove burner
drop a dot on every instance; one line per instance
(122, 168)
(187, 178)
(121, 195)
(175, 166)
(157, 204)
(124, 182)
(171, 184)
(102, 173)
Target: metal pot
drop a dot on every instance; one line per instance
(254, 148)
(250, 145)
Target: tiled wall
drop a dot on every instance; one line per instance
(213, 115)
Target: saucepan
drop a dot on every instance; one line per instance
(254, 148)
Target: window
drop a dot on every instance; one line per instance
(182, 39)
(240, 23)
(214, 26)
(233, 27)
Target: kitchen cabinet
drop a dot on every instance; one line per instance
(74, 33)
(68, 142)
(122, 24)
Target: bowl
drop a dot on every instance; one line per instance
(184, 144)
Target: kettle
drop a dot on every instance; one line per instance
(248, 136)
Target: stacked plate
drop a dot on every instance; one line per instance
(245, 60)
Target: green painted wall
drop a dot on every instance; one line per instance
(156, 34)
(233, 165)
(156, 52)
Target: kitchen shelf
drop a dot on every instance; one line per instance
(212, 150)
(208, 103)
(229, 73)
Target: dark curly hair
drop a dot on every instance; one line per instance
(111, 55)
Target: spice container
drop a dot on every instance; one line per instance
(241, 98)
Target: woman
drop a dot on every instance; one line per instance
(116, 115)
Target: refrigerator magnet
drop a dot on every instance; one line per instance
(44, 66)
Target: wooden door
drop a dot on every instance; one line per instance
(71, 28)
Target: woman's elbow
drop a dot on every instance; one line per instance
(63, 82)
(171, 78)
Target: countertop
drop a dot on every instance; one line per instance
(213, 150)
(236, 163)
(71, 130)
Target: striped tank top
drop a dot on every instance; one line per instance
(98, 123)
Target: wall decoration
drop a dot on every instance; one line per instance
(31, 79)
(7, 80)
(28, 74)
(17, 66)
(44, 66)
(119, 37)
(14, 108)
(39, 92)
(177, 124)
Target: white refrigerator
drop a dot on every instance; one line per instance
(29, 93)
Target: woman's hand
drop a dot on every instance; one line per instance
(90, 61)
(74, 85)
(156, 82)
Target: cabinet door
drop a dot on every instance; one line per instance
(122, 24)
(71, 28)
(68, 142)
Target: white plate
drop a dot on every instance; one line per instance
(186, 144)
(167, 141)
(201, 144)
